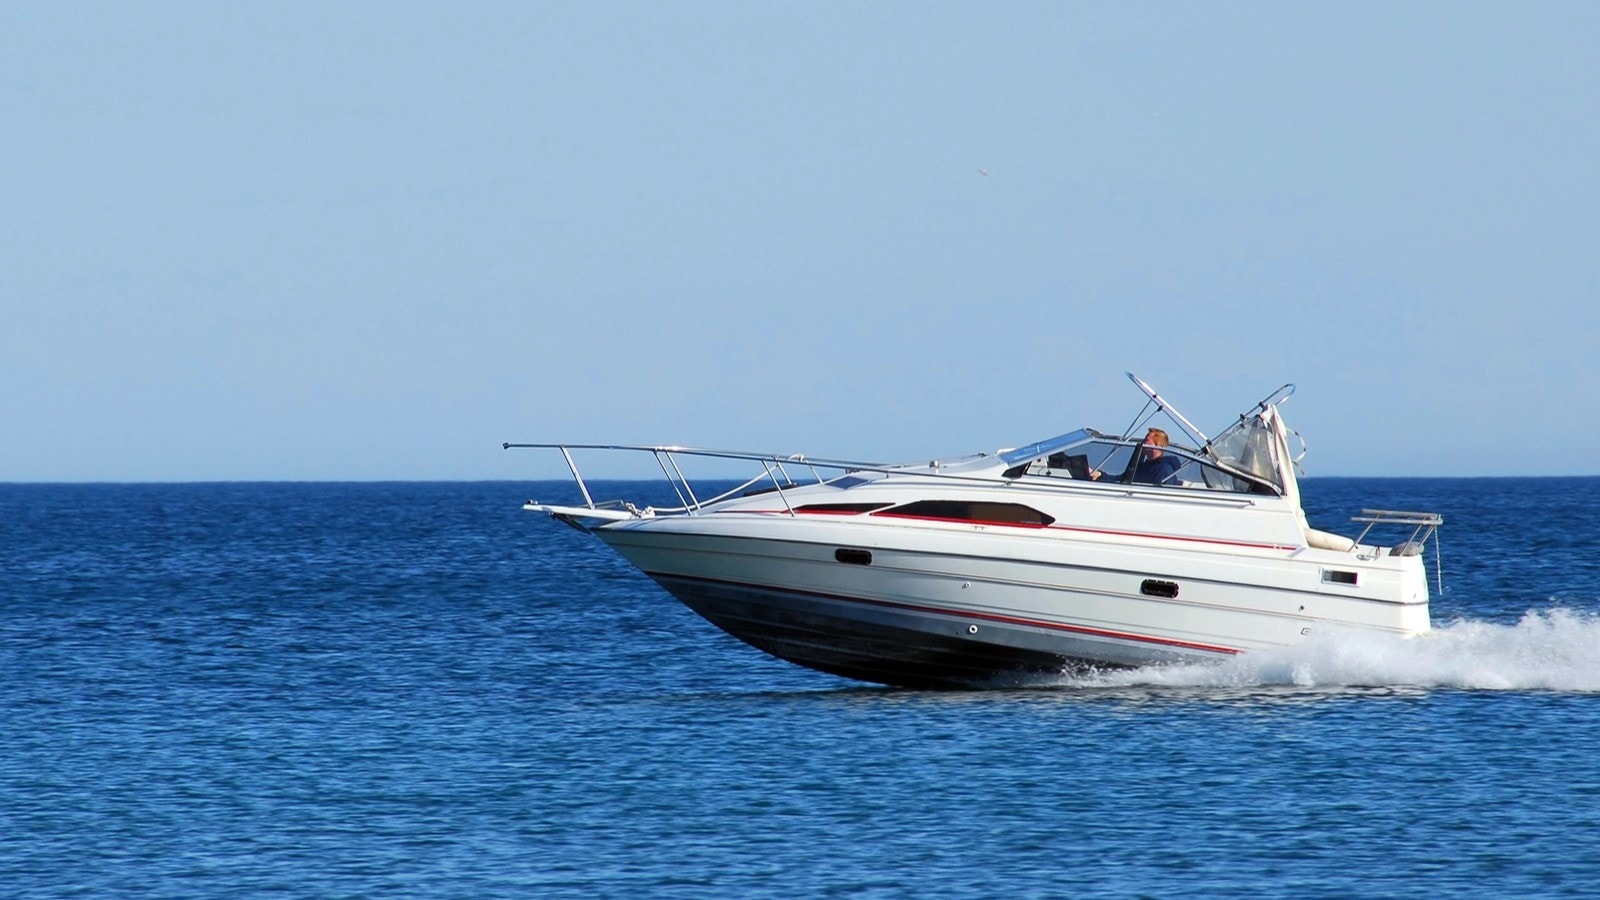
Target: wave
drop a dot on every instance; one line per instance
(1548, 650)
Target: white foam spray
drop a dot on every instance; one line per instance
(1550, 650)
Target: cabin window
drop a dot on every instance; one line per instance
(976, 511)
(1335, 576)
(841, 509)
(853, 557)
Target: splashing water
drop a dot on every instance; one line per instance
(1553, 650)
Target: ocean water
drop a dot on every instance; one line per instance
(347, 690)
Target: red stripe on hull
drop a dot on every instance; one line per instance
(1074, 528)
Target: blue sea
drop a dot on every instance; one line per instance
(350, 690)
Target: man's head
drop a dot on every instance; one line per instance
(1155, 437)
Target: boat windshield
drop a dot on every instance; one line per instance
(1250, 456)
(1049, 445)
(1089, 455)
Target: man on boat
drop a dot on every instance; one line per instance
(1151, 464)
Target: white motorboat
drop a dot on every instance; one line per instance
(1078, 552)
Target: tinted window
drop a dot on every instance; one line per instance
(972, 511)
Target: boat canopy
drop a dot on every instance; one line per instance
(1256, 444)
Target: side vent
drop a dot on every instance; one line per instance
(1154, 588)
(1335, 576)
(853, 557)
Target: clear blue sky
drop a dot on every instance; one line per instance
(374, 240)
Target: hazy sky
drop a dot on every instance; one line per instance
(374, 240)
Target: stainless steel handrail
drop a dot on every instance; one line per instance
(1424, 524)
(773, 467)
(796, 458)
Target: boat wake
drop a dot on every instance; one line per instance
(1549, 650)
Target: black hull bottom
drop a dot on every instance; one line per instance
(897, 645)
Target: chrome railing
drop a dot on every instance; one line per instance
(781, 472)
(775, 468)
(1423, 526)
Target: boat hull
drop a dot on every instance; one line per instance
(902, 644)
(935, 606)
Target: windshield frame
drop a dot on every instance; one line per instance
(1110, 455)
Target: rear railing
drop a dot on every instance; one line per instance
(1423, 526)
